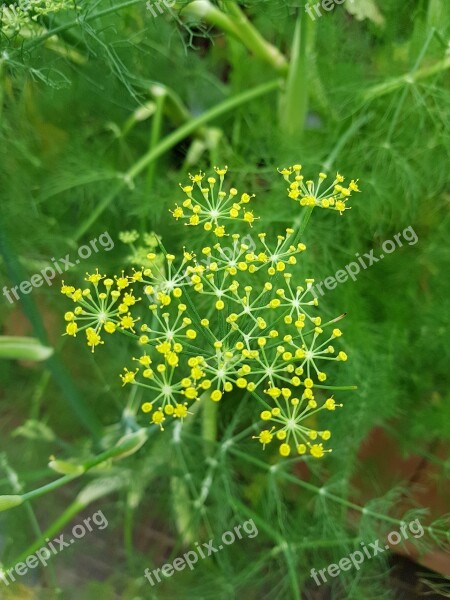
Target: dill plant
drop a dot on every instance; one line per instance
(240, 322)
(22, 18)
(382, 113)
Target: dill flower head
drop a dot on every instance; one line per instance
(206, 203)
(225, 320)
(332, 195)
(139, 251)
(22, 14)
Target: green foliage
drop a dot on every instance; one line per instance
(104, 109)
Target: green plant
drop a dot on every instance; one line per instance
(103, 110)
(252, 327)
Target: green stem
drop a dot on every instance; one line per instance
(395, 83)
(70, 512)
(254, 41)
(159, 93)
(438, 15)
(363, 510)
(129, 445)
(294, 103)
(205, 10)
(185, 130)
(301, 222)
(170, 141)
(74, 23)
(400, 103)
(344, 138)
(278, 539)
(337, 387)
(239, 27)
(143, 112)
(17, 487)
(176, 110)
(209, 423)
(80, 503)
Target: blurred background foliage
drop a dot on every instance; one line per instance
(105, 108)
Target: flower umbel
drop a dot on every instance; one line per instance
(208, 204)
(104, 310)
(308, 193)
(234, 316)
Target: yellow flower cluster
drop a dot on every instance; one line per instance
(308, 193)
(107, 309)
(212, 205)
(230, 317)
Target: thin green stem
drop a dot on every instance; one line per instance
(278, 539)
(301, 222)
(127, 446)
(400, 103)
(176, 110)
(344, 138)
(159, 94)
(336, 387)
(210, 411)
(29, 45)
(170, 141)
(322, 491)
(17, 488)
(70, 512)
(395, 83)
